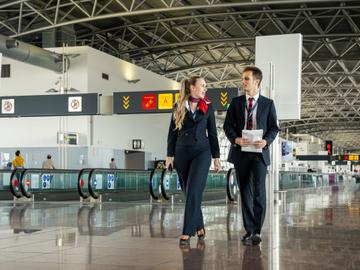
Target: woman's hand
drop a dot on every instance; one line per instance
(217, 164)
(169, 164)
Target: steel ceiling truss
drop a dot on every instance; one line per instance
(180, 38)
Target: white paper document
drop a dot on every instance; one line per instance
(252, 135)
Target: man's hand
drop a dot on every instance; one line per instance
(242, 141)
(260, 144)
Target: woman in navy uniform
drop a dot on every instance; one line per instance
(192, 141)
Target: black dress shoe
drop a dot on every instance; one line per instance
(256, 239)
(201, 236)
(184, 242)
(247, 237)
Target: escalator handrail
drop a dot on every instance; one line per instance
(81, 193)
(118, 170)
(91, 191)
(22, 188)
(152, 193)
(163, 191)
(228, 189)
(53, 171)
(12, 190)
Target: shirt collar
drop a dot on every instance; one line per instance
(256, 97)
(187, 105)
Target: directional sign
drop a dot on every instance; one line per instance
(163, 101)
(224, 98)
(126, 102)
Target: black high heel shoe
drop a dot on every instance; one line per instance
(201, 236)
(184, 242)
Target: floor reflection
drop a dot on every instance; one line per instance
(252, 258)
(193, 257)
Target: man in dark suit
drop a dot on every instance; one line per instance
(251, 111)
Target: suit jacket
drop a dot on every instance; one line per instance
(235, 122)
(198, 132)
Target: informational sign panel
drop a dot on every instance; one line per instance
(110, 181)
(46, 180)
(163, 101)
(280, 59)
(49, 105)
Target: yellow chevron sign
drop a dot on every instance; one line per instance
(224, 98)
(126, 102)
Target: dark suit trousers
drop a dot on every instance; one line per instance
(251, 175)
(192, 165)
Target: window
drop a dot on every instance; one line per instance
(5, 71)
(105, 76)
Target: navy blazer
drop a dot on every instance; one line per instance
(200, 131)
(235, 122)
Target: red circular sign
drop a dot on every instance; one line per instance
(75, 104)
(15, 182)
(27, 182)
(7, 106)
(82, 182)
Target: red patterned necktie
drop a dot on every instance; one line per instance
(249, 123)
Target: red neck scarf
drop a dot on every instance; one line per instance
(203, 103)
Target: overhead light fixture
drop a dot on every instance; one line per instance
(53, 90)
(134, 81)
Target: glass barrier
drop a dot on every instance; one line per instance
(293, 180)
(5, 179)
(116, 180)
(170, 184)
(47, 180)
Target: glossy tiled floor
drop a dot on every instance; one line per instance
(316, 229)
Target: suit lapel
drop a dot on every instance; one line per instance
(260, 107)
(243, 106)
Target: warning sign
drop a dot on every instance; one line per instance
(148, 102)
(177, 96)
(75, 104)
(126, 102)
(7, 106)
(165, 101)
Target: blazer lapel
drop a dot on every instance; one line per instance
(199, 116)
(243, 106)
(260, 107)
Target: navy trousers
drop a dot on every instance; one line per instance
(192, 166)
(251, 175)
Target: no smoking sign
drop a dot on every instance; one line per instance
(75, 104)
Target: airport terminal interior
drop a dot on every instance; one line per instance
(87, 92)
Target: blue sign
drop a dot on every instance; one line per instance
(178, 187)
(46, 180)
(110, 181)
